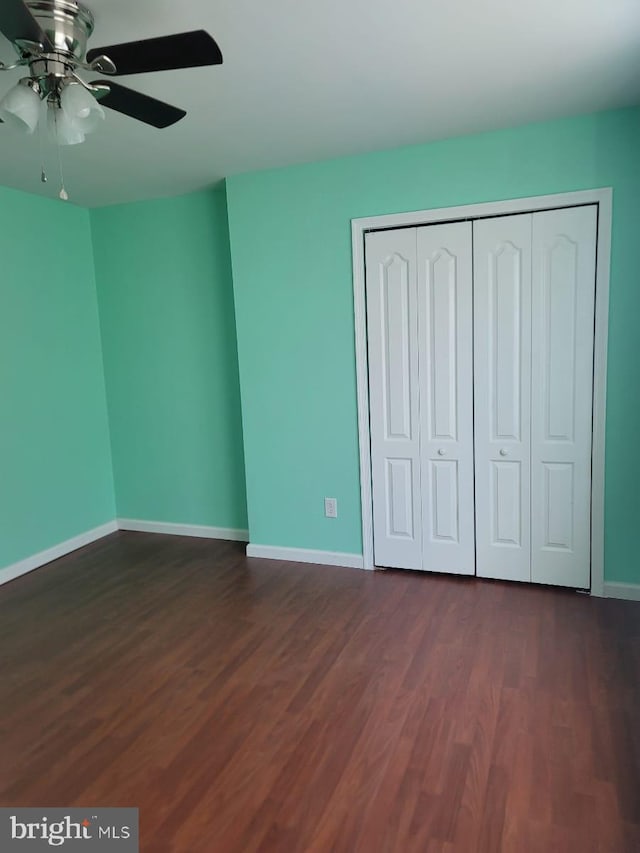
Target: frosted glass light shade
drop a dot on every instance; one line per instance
(20, 107)
(62, 129)
(80, 107)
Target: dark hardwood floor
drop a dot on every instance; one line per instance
(246, 705)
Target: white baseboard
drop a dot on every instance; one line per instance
(9, 573)
(628, 591)
(199, 530)
(304, 555)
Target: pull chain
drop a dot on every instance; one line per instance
(43, 172)
(63, 193)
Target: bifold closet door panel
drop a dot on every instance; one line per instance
(392, 327)
(502, 395)
(563, 289)
(445, 334)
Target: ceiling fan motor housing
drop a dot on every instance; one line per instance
(68, 26)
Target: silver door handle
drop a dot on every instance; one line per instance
(441, 452)
(504, 451)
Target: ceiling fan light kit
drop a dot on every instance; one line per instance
(50, 38)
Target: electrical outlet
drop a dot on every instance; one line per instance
(331, 507)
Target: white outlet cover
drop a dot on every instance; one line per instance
(331, 507)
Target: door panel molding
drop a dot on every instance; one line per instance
(564, 258)
(392, 319)
(445, 333)
(502, 383)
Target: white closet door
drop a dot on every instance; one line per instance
(392, 325)
(563, 291)
(502, 398)
(445, 333)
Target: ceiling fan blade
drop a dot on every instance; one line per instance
(18, 24)
(139, 106)
(183, 50)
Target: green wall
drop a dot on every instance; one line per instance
(55, 466)
(291, 254)
(163, 273)
(168, 329)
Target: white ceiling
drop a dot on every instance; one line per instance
(305, 81)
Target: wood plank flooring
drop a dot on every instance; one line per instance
(247, 705)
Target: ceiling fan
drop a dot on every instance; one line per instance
(50, 37)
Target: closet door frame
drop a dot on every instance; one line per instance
(359, 227)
